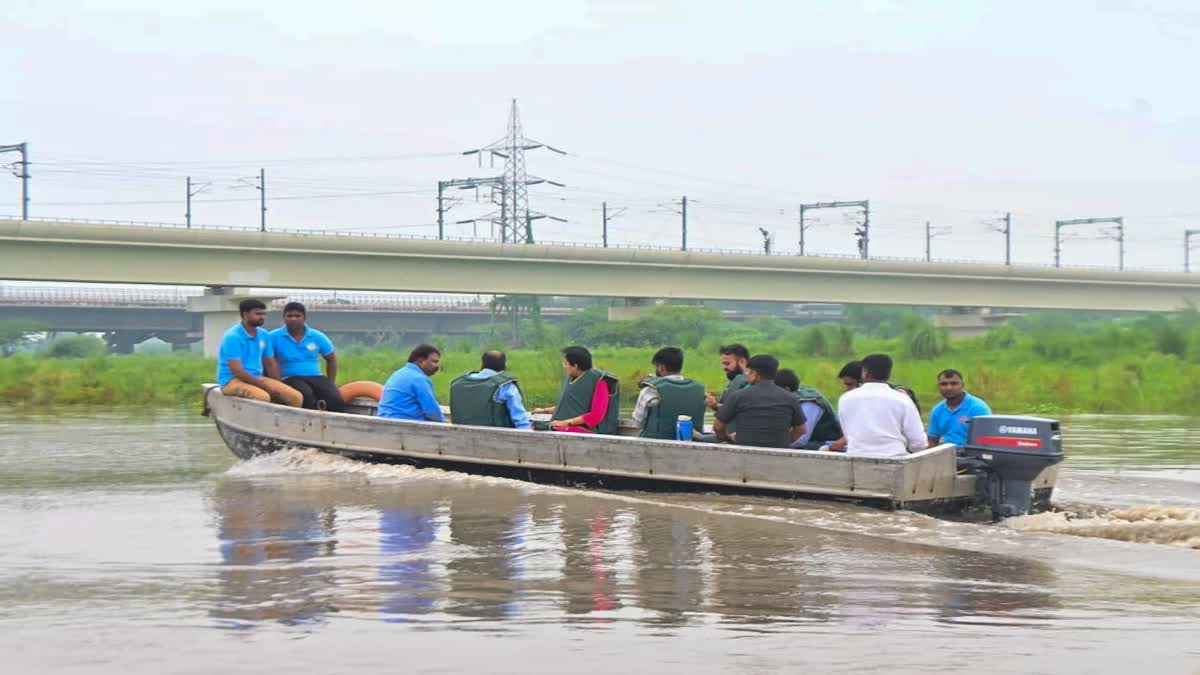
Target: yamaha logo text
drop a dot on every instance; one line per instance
(1018, 430)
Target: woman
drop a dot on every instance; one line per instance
(588, 403)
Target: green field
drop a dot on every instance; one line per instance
(1051, 363)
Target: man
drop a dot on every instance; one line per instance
(408, 393)
(766, 415)
(950, 417)
(851, 377)
(297, 347)
(668, 395)
(245, 363)
(878, 420)
(821, 425)
(489, 397)
(590, 398)
(734, 361)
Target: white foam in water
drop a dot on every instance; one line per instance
(309, 461)
(1148, 524)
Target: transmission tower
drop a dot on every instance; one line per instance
(515, 218)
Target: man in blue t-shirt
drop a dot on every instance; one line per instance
(949, 419)
(245, 361)
(298, 350)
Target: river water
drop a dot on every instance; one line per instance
(135, 543)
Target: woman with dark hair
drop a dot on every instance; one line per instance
(588, 403)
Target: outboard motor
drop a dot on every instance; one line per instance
(1007, 454)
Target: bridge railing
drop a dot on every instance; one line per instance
(374, 234)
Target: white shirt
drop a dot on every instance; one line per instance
(812, 415)
(880, 422)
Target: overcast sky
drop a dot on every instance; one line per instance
(952, 112)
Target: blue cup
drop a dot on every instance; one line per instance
(683, 428)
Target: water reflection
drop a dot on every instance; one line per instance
(501, 556)
(267, 542)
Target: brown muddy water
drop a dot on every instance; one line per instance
(135, 543)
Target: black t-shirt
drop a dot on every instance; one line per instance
(765, 414)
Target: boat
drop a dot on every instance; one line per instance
(932, 480)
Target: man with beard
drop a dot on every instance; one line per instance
(245, 362)
(734, 359)
(298, 348)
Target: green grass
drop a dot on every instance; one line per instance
(1014, 379)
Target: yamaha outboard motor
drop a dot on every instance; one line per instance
(1007, 454)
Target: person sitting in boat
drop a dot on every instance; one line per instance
(821, 425)
(766, 415)
(489, 397)
(666, 396)
(408, 393)
(878, 420)
(589, 400)
(245, 361)
(735, 358)
(851, 377)
(298, 350)
(949, 419)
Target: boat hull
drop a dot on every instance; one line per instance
(923, 481)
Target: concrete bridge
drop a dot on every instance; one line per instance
(82, 252)
(129, 316)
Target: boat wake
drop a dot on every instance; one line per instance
(1174, 525)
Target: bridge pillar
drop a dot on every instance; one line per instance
(219, 307)
(972, 321)
(631, 308)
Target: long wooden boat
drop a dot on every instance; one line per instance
(929, 480)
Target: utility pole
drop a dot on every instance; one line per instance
(261, 185)
(515, 215)
(262, 198)
(862, 231)
(604, 218)
(22, 173)
(1118, 236)
(766, 235)
(683, 203)
(461, 184)
(1007, 238)
(192, 191)
(930, 233)
(1187, 249)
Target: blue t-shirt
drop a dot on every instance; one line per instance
(408, 395)
(950, 426)
(240, 345)
(300, 358)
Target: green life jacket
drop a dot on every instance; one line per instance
(828, 428)
(473, 400)
(675, 397)
(739, 382)
(576, 399)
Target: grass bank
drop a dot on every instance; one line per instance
(1012, 379)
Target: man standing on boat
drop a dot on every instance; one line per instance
(821, 426)
(489, 397)
(589, 400)
(408, 393)
(298, 348)
(666, 396)
(949, 419)
(880, 421)
(766, 415)
(245, 364)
